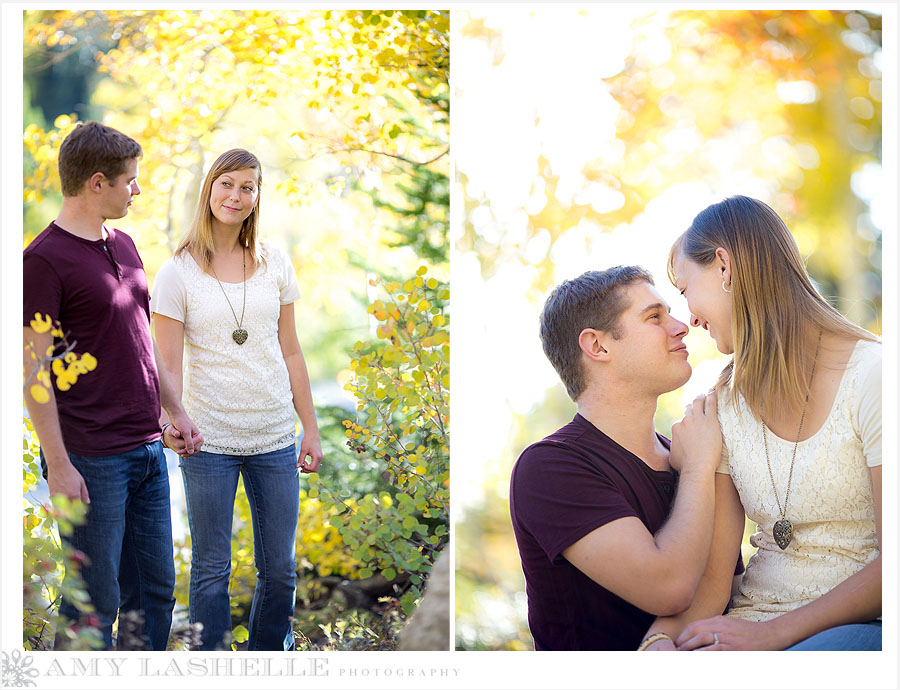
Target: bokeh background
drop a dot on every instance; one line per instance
(348, 112)
(589, 138)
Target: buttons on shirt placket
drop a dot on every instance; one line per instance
(112, 259)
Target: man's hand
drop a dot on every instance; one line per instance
(310, 447)
(697, 438)
(63, 478)
(183, 436)
(662, 645)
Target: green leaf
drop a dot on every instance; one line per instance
(241, 634)
(408, 603)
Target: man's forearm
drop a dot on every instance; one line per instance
(684, 541)
(714, 589)
(45, 419)
(44, 415)
(710, 599)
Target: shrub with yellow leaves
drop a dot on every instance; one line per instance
(46, 558)
(41, 152)
(401, 381)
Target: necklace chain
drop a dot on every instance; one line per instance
(240, 324)
(787, 495)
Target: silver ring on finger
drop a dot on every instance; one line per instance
(715, 638)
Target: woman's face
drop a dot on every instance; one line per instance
(709, 303)
(234, 195)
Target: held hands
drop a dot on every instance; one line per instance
(724, 634)
(310, 447)
(182, 436)
(697, 438)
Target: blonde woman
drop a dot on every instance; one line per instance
(800, 411)
(223, 313)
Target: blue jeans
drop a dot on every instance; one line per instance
(127, 539)
(273, 489)
(858, 637)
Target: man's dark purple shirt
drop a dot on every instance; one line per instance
(563, 488)
(97, 289)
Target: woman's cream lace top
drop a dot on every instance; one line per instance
(830, 506)
(239, 396)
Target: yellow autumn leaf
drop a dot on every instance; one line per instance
(39, 394)
(41, 323)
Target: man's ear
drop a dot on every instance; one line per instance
(96, 181)
(591, 342)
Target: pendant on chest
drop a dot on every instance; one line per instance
(783, 531)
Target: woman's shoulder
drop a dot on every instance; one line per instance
(868, 351)
(171, 269)
(270, 251)
(276, 260)
(180, 261)
(866, 359)
(728, 401)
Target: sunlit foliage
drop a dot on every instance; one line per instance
(401, 382)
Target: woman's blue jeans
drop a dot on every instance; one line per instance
(127, 539)
(858, 637)
(271, 481)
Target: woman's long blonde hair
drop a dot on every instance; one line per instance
(198, 239)
(775, 307)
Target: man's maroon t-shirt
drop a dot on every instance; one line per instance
(98, 291)
(562, 488)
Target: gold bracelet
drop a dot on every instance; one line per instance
(650, 639)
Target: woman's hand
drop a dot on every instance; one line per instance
(726, 634)
(697, 438)
(310, 447)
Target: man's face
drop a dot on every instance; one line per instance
(649, 352)
(117, 194)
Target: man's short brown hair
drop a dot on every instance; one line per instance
(595, 300)
(91, 148)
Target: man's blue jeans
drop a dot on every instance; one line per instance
(127, 539)
(858, 637)
(273, 490)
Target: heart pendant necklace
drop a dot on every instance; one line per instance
(783, 530)
(239, 334)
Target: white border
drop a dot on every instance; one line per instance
(460, 669)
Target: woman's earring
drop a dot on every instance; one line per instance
(725, 288)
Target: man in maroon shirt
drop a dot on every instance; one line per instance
(606, 544)
(100, 438)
